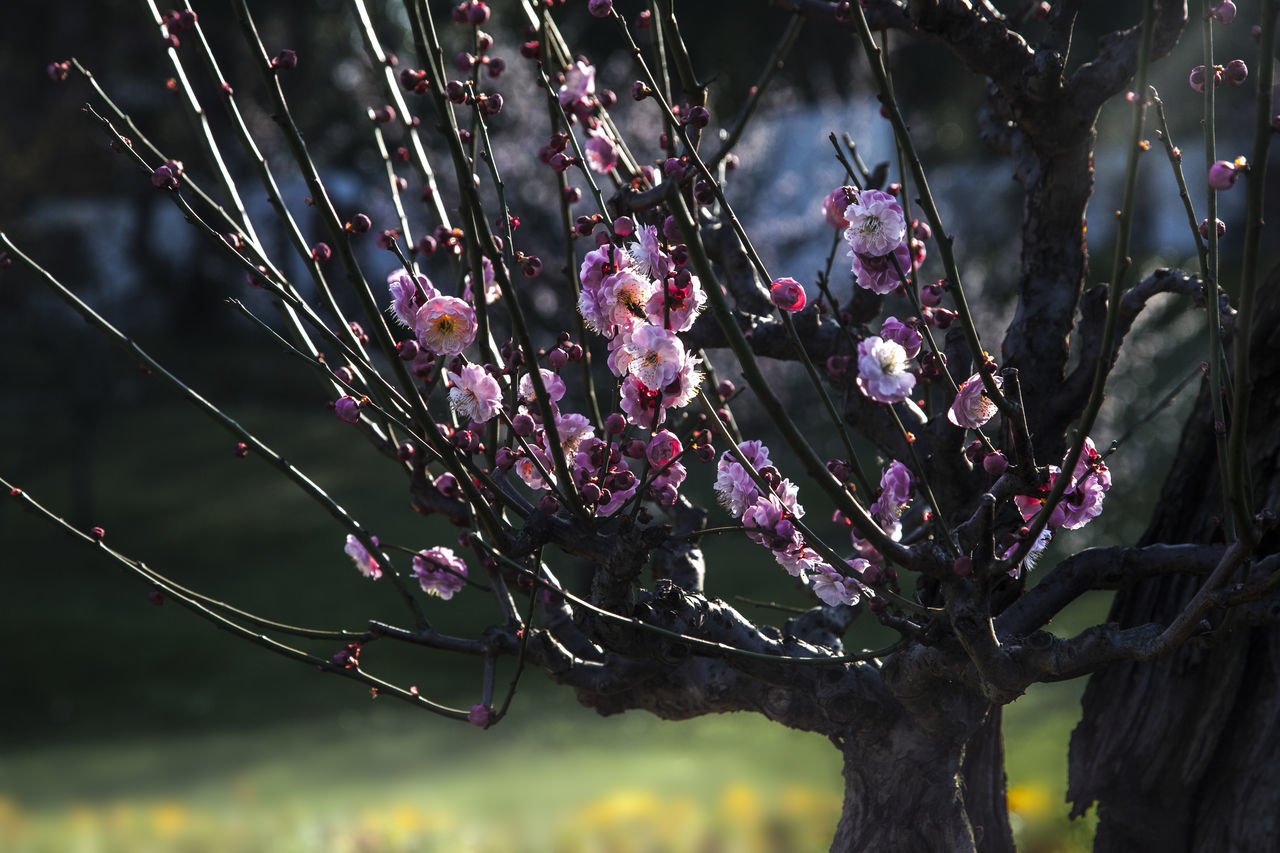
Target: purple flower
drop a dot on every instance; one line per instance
(895, 493)
(651, 260)
(601, 153)
(676, 305)
(641, 405)
(834, 588)
(579, 86)
(364, 561)
(475, 396)
(734, 486)
(877, 273)
(902, 334)
(972, 407)
(551, 381)
(883, 373)
(439, 571)
(876, 224)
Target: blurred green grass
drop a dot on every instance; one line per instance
(132, 726)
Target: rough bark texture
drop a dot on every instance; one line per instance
(1181, 754)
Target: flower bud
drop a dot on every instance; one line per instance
(359, 224)
(1224, 12)
(787, 294)
(383, 115)
(522, 424)
(995, 464)
(548, 505)
(557, 358)
(447, 485)
(1196, 79)
(931, 295)
(347, 409)
(97, 534)
(321, 252)
(1223, 174)
(496, 66)
(590, 493)
(639, 91)
(705, 453)
(1236, 72)
(698, 117)
(725, 389)
(505, 458)
(478, 14)
(635, 449)
(1204, 228)
(240, 451)
(285, 60)
(164, 178)
(600, 8)
(963, 566)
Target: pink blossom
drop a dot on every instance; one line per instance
(492, 290)
(882, 370)
(675, 306)
(787, 294)
(900, 333)
(572, 429)
(799, 563)
(439, 571)
(651, 260)
(601, 153)
(551, 381)
(734, 486)
(767, 524)
(527, 470)
(364, 561)
(878, 274)
(654, 356)
(445, 325)
(407, 297)
(895, 494)
(876, 224)
(475, 396)
(664, 447)
(680, 391)
(621, 300)
(642, 406)
(834, 588)
(672, 474)
(1082, 500)
(579, 86)
(972, 407)
(1033, 556)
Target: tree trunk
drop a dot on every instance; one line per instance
(1181, 754)
(909, 789)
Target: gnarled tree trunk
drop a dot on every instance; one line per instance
(1183, 754)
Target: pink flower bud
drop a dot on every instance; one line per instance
(321, 252)
(705, 453)
(931, 295)
(1236, 72)
(522, 424)
(549, 504)
(557, 358)
(58, 71)
(787, 294)
(97, 534)
(639, 91)
(384, 114)
(1224, 13)
(347, 409)
(835, 204)
(600, 8)
(1223, 174)
(725, 389)
(480, 715)
(404, 451)
(359, 224)
(699, 117)
(995, 464)
(447, 485)
(478, 14)
(164, 178)
(1204, 228)
(963, 566)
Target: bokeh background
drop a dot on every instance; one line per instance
(131, 726)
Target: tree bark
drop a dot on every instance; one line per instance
(925, 784)
(1181, 754)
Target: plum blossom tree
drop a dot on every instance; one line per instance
(583, 449)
